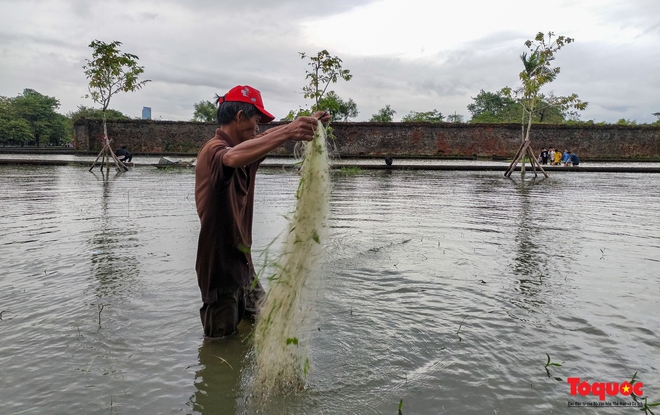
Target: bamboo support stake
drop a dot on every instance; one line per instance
(525, 150)
(521, 153)
(107, 159)
(513, 162)
(532, 160)
(97, 159)
(537, 163)
(106, 153)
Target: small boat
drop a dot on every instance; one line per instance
(166, 162)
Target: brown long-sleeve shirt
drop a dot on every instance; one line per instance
(225, 202)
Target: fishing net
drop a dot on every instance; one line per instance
(281, 360)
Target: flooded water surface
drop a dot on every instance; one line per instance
(446, 290)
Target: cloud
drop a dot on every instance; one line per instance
(413, 55)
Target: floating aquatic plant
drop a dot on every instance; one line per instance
(550, 363)
(647, 406)
(459, 329)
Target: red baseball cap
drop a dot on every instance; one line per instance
(245, 93)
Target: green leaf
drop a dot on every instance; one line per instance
(244, 249)
(306, 367)
(292, 340)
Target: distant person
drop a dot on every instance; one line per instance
(123, 155)
(564, 158)
(544, 156)
(551, 155)
(573, 159)
(388, 161)
(557, 160)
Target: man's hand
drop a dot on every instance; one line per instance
(302, 128)
(323, 116)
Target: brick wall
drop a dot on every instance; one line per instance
(395, 139)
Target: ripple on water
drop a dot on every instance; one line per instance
(444, 289)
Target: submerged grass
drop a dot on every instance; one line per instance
(281, 364)
(350, 170)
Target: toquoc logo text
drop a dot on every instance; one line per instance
(601, 389)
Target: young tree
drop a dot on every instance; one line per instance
(428, 116)
(111, 72)
(537, 72)
(205, 111)
(326, 70)
(384, 115)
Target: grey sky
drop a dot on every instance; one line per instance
(413, 55)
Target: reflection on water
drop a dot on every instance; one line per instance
(444, 289)
(113, 244)
(529, 262)
(218, 379)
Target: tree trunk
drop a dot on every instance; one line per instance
(107, 152)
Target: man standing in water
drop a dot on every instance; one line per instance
(224, 193)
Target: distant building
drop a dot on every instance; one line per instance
(146, 113)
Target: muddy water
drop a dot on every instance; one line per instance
(442, 289)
